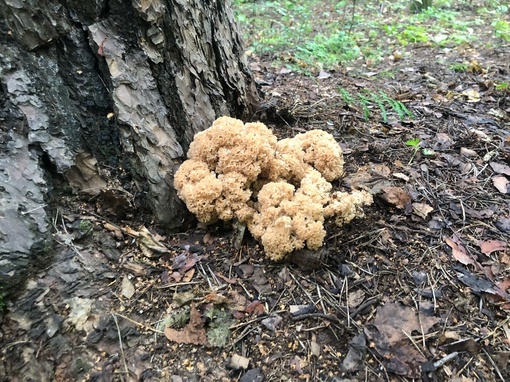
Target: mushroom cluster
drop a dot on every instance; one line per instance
(281, 189)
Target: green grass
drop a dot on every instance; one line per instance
(381, 104)
(326, 34)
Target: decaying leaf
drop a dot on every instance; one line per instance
(490, 246)
(389, 335)
(396, 196)
(127, 288)
(422, 209)
(472, 95)
(356, 298)
(255, 307)
(238, 362)
(148, 243)
(354, 359)
(193, 333)
(460, 254)
(479, 284)
(500, 168)
(501, 183)
(185, 261)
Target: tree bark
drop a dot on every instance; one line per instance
(94, 89)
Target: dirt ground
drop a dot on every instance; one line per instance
(416, 290)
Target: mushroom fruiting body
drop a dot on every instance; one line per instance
(280, 189)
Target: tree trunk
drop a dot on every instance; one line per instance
(95, 90)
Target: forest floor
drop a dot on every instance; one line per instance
(416, 290)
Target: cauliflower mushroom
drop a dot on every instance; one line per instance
(280, 189)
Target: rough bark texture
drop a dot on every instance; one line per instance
(107, 84)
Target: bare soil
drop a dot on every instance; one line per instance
(417, 290)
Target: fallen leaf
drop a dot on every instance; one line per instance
(388, 335)
(193, 333)
(401, 176)
(226, 279)
(238, 362)
(460, 254)
(127, 287)
(185, 261)
(354, 359)
(478, 284)
(272, 322)
(500, 168)
(255, 307)
(501, 183)
(503, 224)
(236, 301)
(475, 67)
(380, 170)
(297, 364)
(490, 246)
(315, 348)
(393, 319)
(472, 95)
(422, 209)
(356, 298)
(148, 244)
(396, 196)
(188, 276)
(323, 75)
(467, 345)
(215, 298)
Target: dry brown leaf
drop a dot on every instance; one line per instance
(422, 209)
(238, 362)
(490, 246)
(501, 183)
(393, 319)
(236, 301)
(460, 254)
(500, 168)
(400, 175)
(380, 170)
(388, 334)
(356, 298)
(148, 243)
(188, 275)
(215, 298)
(396, 196)
(193, 333)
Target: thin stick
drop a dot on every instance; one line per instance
(139, 323)
(126, 370)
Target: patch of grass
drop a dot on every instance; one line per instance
(502, 29)
(459, 67)
(326, 34)
(379, 102)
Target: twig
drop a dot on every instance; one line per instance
(139, 323)
(126, 370)
(413, 342)
(328, 317)
(445, 359)
(496, 369)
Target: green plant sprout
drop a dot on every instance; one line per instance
(415, 144)
(503, 86)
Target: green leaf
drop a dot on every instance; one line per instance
(413, 142)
